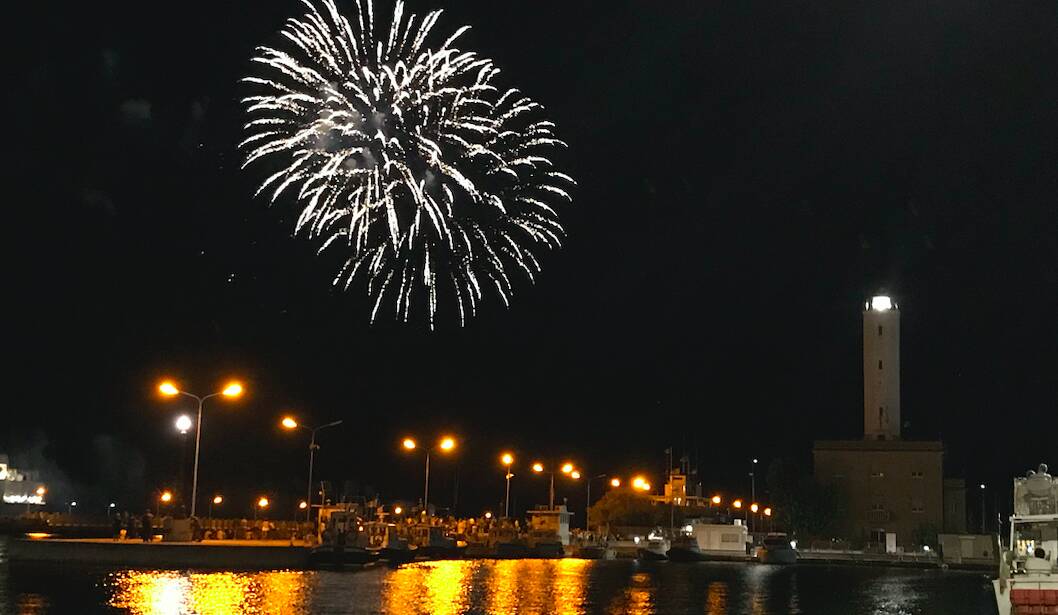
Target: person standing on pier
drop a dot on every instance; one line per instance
(147, 526)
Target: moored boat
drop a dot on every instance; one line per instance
(686, 549)
(653, 549)
(1028, 574)
(777, 549)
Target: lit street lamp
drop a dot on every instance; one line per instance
(566, 468)
(752, 487)
(183, 425)
(507, 459)
(262, 504)
(232, 390)
(983, 486)
(289, 423)
(216, 501)
(446, 445)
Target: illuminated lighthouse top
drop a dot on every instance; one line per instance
(881, 369)
(881, 303)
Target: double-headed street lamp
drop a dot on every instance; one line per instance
(567, 469)
(290, 423)
(446, 445)
(232, 390)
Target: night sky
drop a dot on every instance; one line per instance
(750, 172)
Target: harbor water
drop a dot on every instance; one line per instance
(565, 586)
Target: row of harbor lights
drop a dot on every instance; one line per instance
(234, 390)
(262, 503)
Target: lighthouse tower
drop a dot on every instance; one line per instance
(881, 369)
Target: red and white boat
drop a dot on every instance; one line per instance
(1028, 570)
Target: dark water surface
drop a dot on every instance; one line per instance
(516, 586)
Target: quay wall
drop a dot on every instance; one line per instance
(159, 555)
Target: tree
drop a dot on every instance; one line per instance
(624, 507)
(806, 507)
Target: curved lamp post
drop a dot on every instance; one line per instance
(232, 390)
(446, 445)
(289, 423)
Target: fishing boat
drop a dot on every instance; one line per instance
(777, 549)
(685, 548)
(431, 542)
(382, 538)
(1028, 572)
(654, 548)
(339, 536)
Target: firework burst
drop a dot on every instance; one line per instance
(429, 178)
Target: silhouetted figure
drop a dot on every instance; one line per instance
(147, 526)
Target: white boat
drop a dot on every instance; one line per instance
(777, 549)
(1028, 571)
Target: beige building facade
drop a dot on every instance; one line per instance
(887, 485)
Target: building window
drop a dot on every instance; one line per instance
(917, 474)
(879, 364)
(917, 508)
(878, 507)
(878, 474)
(839, 476)
(879, 330)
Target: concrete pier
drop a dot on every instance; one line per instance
(225, 554)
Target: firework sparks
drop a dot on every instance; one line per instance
(431, 179)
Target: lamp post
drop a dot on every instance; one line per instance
(752, 488)
(290, 423)
(614, 482)
(507, 459)
(232, 390)
(218, 500)
(446, 445)
(983, 486)
(567, 469)
(183, 425)
(262, 503)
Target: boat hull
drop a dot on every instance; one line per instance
(651, 556)
(683, 554)
(783, 557)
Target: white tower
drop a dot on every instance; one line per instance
(881, 369)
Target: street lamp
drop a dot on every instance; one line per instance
(566, 468)
(614, 482)
(507, 459)
(983, 486)
(752, 487)
(183, 423)
(290, 423)
(640, 484)
(216, 501)
(232, 390)
(737, 503)
(717, 500)
(262, 504)
(447, 444)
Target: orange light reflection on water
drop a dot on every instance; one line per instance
(216, 593)
(446, 587)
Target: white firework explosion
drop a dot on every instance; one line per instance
(408, 158)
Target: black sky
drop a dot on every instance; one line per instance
(749, 173)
